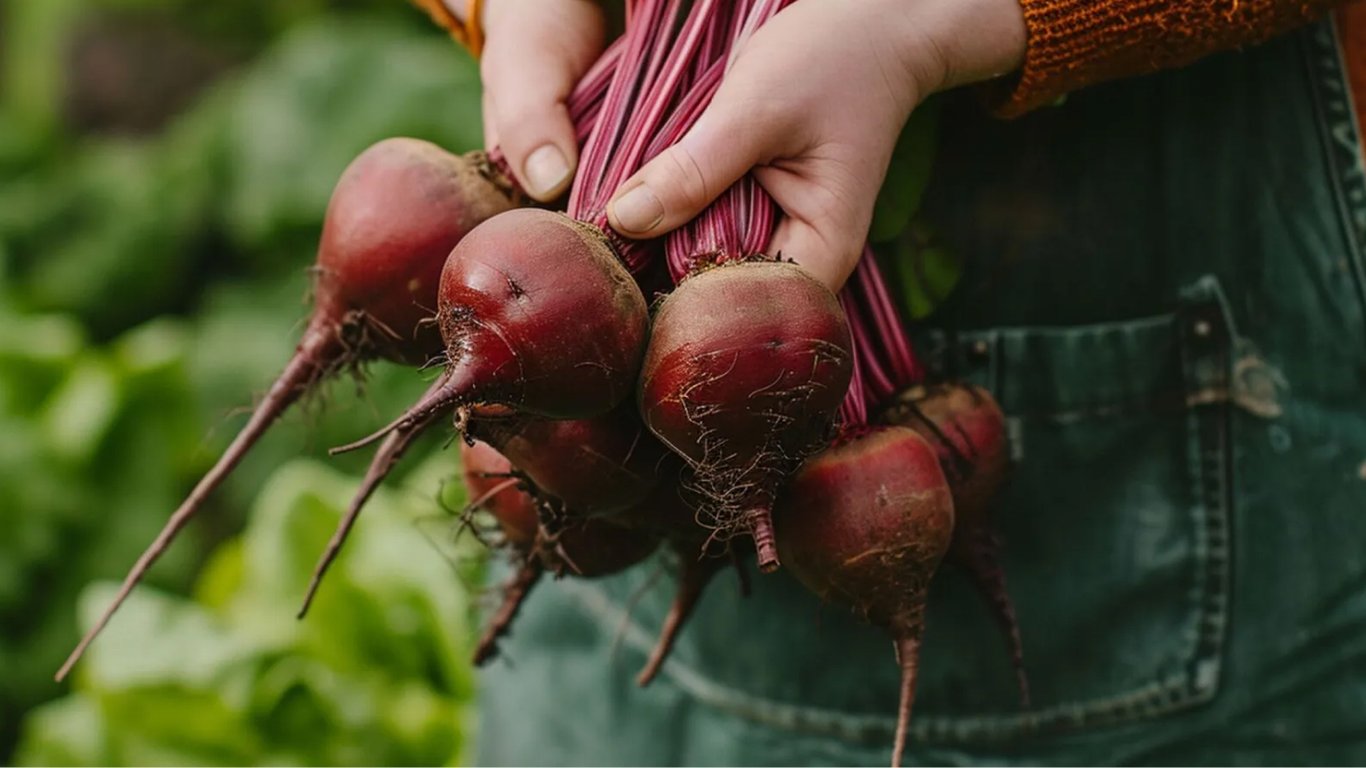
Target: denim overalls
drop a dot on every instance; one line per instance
(1165, 286)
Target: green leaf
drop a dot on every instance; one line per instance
(69, 731)
(908, 173)
(135, 650)
(924, 269)
(79, 414)
(320, 97)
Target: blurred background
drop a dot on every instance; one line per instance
(164, 168)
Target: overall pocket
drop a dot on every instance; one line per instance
(1116, 525)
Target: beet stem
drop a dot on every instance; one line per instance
(908, 656)
(514, 594)
(761, 528)
(693, 579)
(318, 352)
(386, 458)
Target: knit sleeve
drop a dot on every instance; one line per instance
(441, 15)
(1074, 43)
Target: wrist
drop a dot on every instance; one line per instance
(948, 43)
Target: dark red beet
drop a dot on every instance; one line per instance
(867, 523)
(537, 315)
(597, 466)
(492, 485)
(966, 427)
(747, 365)
(587, 548)
(394, 217)
(396, 212)
(539, 318)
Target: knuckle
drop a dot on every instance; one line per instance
(688, 183)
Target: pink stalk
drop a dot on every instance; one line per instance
(854, 409)
(887, 321)
(884, 358)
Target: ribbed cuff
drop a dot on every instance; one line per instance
(1074, 43)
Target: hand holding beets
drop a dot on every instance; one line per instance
(732, 408)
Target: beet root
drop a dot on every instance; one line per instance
(669, 515)
(495, 487)
(538, 315)
(589, 548)
(586, 548)
(694, 576)
(598, 466)
(747, 365)
(867, 523)
(395, 213)
(966, 427)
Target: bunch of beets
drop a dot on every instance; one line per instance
(743, 404)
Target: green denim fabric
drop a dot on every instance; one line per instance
(1165, 288)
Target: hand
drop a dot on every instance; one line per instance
(535, 51)
(813, 104)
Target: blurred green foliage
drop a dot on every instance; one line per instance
(164, 168)
(377, 674)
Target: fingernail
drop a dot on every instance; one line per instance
(638, 210)
(546, 170)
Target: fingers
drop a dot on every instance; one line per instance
(829, 254)
(534, 54)
(490, 127)
(727, 140)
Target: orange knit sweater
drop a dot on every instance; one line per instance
(1074, 43)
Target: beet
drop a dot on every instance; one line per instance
(395, 214)
(539, 319)
(493, 486)
(598, 466)
(867, 522)
(586, 548)
(537, 315)
(966, 427)
(747, 364)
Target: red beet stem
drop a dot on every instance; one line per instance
(515, 594)
(761, 528)
(908, 656)
(317, 352)
(395, 444)
(692, 581)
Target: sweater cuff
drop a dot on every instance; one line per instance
(1074, 43)
(467, 31)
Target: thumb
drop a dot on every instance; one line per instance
(685, 178)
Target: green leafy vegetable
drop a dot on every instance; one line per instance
(377, 674)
